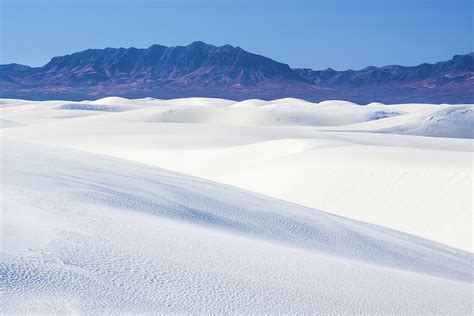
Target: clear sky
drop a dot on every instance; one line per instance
(317, 34)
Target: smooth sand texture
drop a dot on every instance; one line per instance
(91, 223)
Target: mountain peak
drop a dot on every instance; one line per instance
(157, 46)
(199, 44)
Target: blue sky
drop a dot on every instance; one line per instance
(317, 34)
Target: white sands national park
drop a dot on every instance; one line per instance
(202, 205)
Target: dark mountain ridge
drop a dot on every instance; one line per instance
(200, 69)
(459, 65)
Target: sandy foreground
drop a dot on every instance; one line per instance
(211, 205)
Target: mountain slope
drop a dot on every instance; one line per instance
(198, 62)
(448, 80)
(200, 69)
(157, 70)
(448, 71)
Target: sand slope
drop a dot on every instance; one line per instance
(372, 163)
(90, 234)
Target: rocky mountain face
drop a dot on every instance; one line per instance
(449, 81)
(200, 69)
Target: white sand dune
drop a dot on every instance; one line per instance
(425, 120)
(83, 231)
(256, 113)
(360, 170)
(122, 101)
(452, 122)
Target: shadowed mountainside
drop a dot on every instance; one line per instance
(200, 69)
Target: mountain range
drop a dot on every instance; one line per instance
(200, 69)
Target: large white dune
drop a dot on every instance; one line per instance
(92, 224)
(372, 170)
(83, 233)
